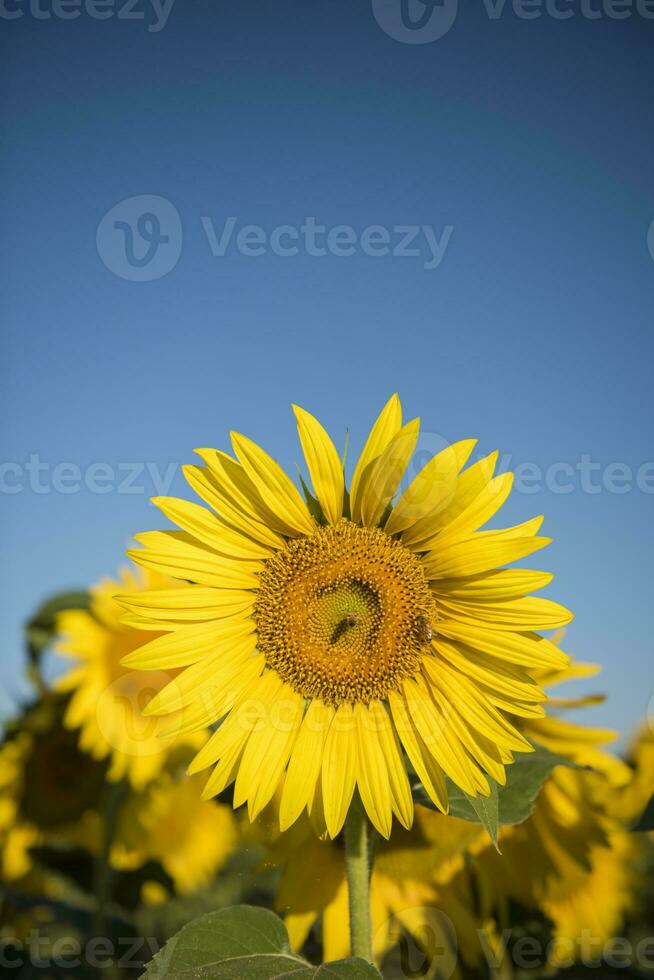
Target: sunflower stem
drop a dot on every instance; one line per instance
(114, 796)
(358, 865)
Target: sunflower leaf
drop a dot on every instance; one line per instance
(515, 801)
(243, 942)
(487, 809)
(40, 629)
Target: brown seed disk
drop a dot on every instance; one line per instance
(344, 614)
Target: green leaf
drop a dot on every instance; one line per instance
(510, 804)
(487, 810)
(646, 820)
(39, 631)
(243, 942)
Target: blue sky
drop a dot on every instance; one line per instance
(529, 326)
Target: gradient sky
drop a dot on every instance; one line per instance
(530, 140)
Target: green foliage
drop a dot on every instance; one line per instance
(646, 819)
(39, 630)
(509, 804)
(243, 942)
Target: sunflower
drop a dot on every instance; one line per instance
(17, 835)
(415, 889)
(169, 823)
(107, 700)
(575, 843)
(331, 633)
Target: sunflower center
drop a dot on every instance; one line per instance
(344, 614)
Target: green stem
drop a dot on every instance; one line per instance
(357, 863)
(114, 796)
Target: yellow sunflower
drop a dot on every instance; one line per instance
(107, 700)
(574, 845)
(168, 822)
(417, 889)
(17, 835)
(329, 634)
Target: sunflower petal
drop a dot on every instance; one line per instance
(387, 425)
(372, 772)
(380, 481)
(210, 530)
(276, 489)
(324, 464)
(432, 489)
(339, 768)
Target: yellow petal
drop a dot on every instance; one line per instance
(239, 723)
(324, 465)
(274, 486)
(480, 553)
(401, 799)
(428, 771)
(380, 481)
(304, 764)
(210, 529)
(174, 554)
(527, 649)
(432, 489)
(212, 670)
(267, 751)
(442, 742)
(473, 705)
(204, 482)
(385, 428)
(242, 493)
(510, 583)
(339, 768)
(505, 678)
(215, 700)
(526, 613)
(192, 603)
(468, 485)
(480, 511)
(372, 772)
(188, 645)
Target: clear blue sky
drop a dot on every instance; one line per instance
(532, 140)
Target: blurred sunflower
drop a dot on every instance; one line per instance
(48, 787)
(107, 700)
(17, 836)
(415, 888)
(168, 822)
(334, 632)
(575, 845)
